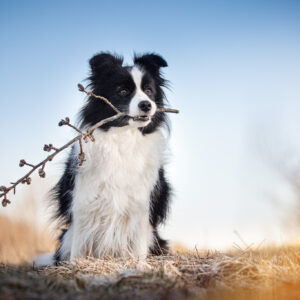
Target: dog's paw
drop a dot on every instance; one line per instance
(43, 260)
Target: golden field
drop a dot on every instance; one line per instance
(254, 273)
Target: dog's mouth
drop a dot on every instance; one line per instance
(142, 118)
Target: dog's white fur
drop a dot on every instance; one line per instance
(111, 195)
(110, 208)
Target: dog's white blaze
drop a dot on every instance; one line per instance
(111, 195)
(137, 75)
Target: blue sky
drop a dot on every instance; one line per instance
(234, 68)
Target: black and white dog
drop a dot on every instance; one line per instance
(113, 204)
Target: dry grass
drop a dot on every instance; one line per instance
(19, 242)
(268, 273)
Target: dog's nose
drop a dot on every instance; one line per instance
(145, 106)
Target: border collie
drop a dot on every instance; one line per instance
(113, 203)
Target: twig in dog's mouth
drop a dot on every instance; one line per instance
(86, 136)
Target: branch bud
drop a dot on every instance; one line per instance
(3, 188)
(22, 163)
(81, 156)
(47, 148)
(61, 123)
(5, 201)
(64, 122)
(42, 173)
(80, 87)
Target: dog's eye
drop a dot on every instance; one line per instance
(148, 91)
(123, 92)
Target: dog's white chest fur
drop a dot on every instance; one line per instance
(111, 198)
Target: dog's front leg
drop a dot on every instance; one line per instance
(144, 238)
(77, 242)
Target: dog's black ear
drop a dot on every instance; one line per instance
(151, 62)
(104, 60)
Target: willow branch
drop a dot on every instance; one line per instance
(86, 136)
(169, 110)
(82, 89)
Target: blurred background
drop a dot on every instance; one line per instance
(234, 68)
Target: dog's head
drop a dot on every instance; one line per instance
(135, 90)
